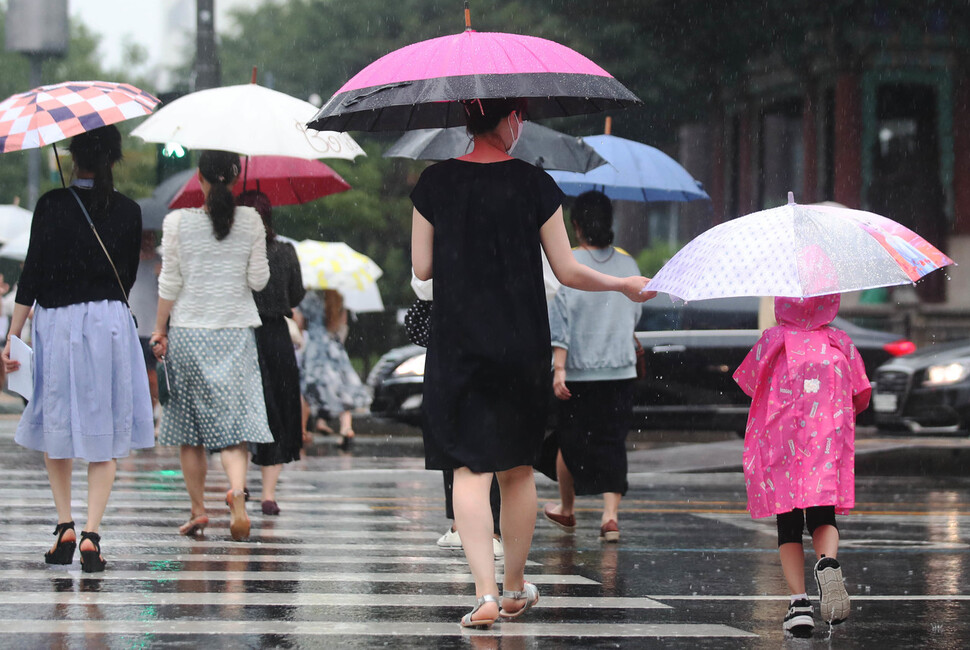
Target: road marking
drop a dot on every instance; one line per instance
(302, 600)
(177, 575)
(277, 628)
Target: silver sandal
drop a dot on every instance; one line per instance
(529, 593)
(481, 623)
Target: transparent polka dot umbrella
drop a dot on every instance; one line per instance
(798, 251)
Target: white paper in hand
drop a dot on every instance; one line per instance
(21, 381)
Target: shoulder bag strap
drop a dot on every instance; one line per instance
(98, 237)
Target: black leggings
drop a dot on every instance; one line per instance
(790, 524)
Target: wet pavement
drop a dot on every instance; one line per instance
(352, 560)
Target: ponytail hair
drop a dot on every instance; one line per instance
(96, 151)
(593, 213)
(220, 169)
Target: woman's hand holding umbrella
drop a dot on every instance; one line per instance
(635, 288)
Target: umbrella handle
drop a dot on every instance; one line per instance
(58, 159)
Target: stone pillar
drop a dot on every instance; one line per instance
(848, 140)
(810, 149)
(747, 199)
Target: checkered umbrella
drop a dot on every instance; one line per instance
(48, 114)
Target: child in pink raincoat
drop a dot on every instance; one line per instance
(807, 382)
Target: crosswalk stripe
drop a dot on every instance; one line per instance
(300, 600)
(281, 576)
(389, 628)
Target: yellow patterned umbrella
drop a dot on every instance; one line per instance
(335, 265)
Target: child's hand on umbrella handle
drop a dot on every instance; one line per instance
(635, 288)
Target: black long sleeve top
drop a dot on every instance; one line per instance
(285, 287)
(65, 264)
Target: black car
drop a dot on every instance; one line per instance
(925, 392)
(692, 351)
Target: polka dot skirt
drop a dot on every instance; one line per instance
(217, 399)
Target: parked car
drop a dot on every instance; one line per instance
(692, 351)
(925, 392)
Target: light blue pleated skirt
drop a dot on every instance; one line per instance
(91, 398)
(217, 391)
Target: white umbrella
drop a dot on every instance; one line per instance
(16, 248)
(248, 119)
(335, 265)
(798, 251)
(14, 220)
(364, 300)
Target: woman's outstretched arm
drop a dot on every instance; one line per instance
(555, 242)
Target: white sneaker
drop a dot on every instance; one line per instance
(498, 549)
(450, 539)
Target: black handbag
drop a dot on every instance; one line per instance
(166, 384)
(417, 322)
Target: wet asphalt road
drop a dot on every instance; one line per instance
(352, 560)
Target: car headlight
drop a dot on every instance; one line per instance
(413, 367)
(949, 373)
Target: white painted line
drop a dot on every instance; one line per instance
(853, 597)
(301, 600)
(372, 628)
(188, 545)
(447, 559)
(280, 576)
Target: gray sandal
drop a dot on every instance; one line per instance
(529, 593)
(480, 623)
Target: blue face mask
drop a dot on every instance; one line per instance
(518, 133)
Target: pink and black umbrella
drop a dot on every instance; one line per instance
(285, 180)
(419, 86)
(49, 114)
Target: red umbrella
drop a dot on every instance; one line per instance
(285, 180)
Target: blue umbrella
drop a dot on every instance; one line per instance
(637, 172)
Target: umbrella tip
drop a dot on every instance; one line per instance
(608, 126)
(468, 16)
(791, 198)
(252, 79)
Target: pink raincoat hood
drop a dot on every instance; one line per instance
(807, 313)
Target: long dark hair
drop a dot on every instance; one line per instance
(593, 213)
(96, 151)
(220, 169)
(259, 201)
(483, 115)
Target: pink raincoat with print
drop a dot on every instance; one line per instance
(807, 381)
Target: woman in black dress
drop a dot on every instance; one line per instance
(277, 358)
(481, 219)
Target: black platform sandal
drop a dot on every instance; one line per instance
(91, 561)
(63, 552)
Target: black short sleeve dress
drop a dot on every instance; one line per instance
(487, 373)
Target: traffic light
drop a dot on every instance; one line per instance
(170, 158)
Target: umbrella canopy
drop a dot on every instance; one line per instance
(155, 207)
(49, 114)
(248, 119)
(16, 248)
(798, 251)
(286, 181)
(335, 265)
(418, 86)
(539, 145)
(14, 220)
(637, 172)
